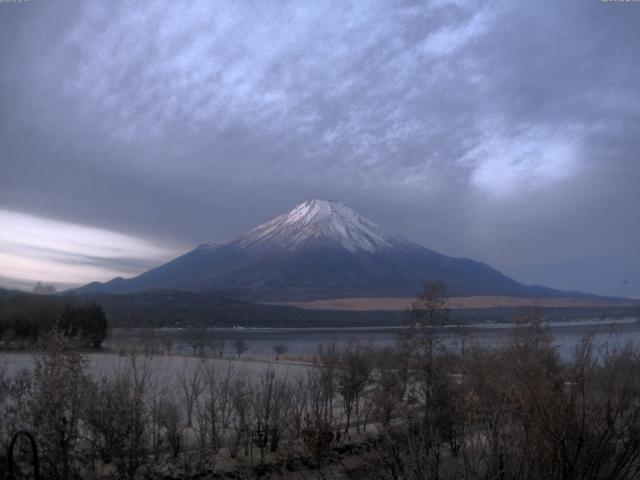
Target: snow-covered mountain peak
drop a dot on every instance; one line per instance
(319, 210)
(321, 222)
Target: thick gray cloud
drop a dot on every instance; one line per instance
(502, 131)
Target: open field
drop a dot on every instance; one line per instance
(376, 304)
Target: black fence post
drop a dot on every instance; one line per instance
(11, 474)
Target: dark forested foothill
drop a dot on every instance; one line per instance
(25, 319)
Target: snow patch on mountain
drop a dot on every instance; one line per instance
(322, 222)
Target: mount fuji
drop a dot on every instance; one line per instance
(319, 250)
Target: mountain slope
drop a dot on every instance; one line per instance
(318, 250)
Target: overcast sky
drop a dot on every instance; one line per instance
(508, 132)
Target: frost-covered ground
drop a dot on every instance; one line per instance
(164, 370)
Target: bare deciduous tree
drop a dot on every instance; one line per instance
(191, 386)
(240, 396)
(117, 423)
(196, 338)
(170, 419)
(280, 349)
(55, 405)
(240, 346)
(353, 376)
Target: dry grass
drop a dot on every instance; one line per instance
(369, 303)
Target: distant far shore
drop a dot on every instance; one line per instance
(494, 301)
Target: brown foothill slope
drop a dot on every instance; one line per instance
(369, 303)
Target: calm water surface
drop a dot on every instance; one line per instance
(261, 341)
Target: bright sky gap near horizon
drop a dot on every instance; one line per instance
(506, 132)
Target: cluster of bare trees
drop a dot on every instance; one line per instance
(509, 412)
(201, 342)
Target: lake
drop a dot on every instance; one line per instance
(305, 341)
